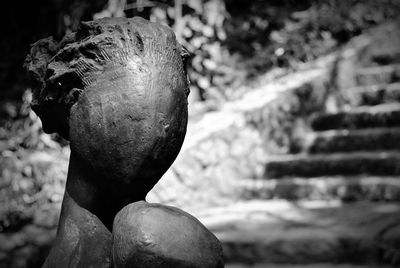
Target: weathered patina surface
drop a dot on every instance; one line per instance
(117, 89)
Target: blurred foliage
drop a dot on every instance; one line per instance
(26, 179)
(233, 41)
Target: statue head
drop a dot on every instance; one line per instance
(117, 90)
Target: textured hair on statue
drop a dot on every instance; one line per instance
(60, 72)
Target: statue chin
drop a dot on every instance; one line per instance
(129, 132)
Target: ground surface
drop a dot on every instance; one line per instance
(302, 233)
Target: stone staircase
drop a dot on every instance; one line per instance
(336, 202)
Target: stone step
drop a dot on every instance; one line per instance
(345, 188)
(354, 163)
(344, 140)
(317, 265)
(386, 57)
(372, 94)
(378, 75)
(282, 232)
(384, 115)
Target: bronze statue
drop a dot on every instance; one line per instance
(117, 90)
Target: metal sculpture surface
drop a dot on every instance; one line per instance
(117, 90)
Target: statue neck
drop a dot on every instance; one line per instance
(93, 193)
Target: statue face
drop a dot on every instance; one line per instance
(129, 126)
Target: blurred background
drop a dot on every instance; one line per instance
(292, 152)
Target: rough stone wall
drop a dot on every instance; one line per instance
(206, 172)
